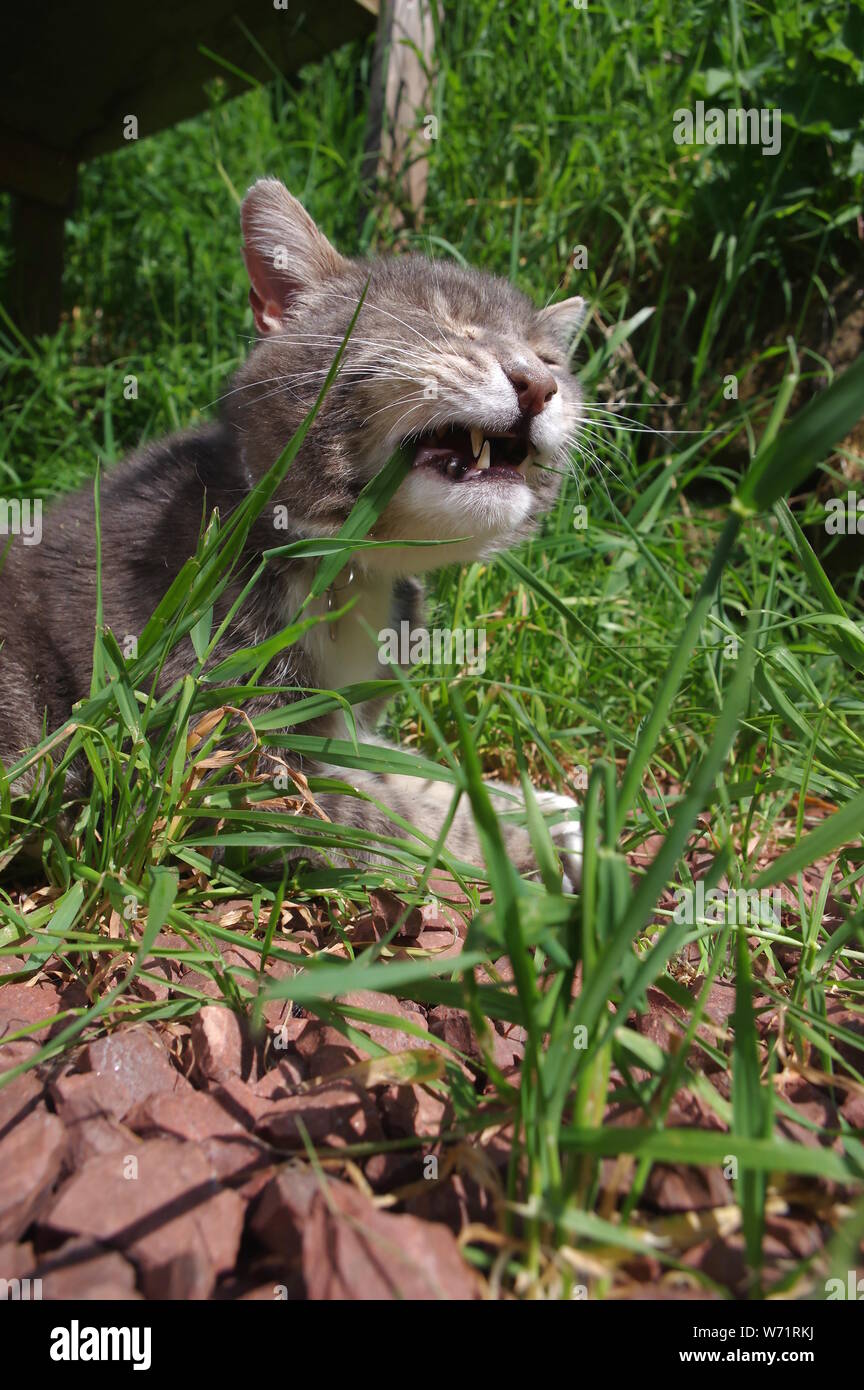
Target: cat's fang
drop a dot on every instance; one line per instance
(476, 441)
(485, 458)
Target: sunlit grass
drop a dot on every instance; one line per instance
(721, 716)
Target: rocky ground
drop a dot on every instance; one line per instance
(190, 1158)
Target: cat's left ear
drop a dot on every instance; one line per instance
(285, 252)
(565, 319)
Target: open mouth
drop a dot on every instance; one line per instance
(462, 454)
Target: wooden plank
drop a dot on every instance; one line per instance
(70, 74)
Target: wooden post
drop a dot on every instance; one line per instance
(401, 121)
(43, 185)
(34, 288)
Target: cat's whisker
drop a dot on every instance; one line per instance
(635, 426)
(417, 396)
(234, 390)
(396, 319)
(605, 443)
(584, 448)
(291, 385)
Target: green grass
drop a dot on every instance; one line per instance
(685, 648)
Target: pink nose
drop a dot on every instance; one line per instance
(534, 388)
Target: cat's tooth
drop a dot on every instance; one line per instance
(476, 441)
(485, 458)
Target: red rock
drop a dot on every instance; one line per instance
(391, 1039)
(16, 1261)
(287, 1035)
(724, 1260)
(174, 1221)
(333, 1116)
(12, 1054)
(268, 1279)
(221, 1045)
(455, 1203)
(390, 1172)
(196, 1116)
(440, 942)
(353, 1251)
(507, 1052)
(413, 1110)
(813, 1105)
(283, 1209)
(239, 1100)
(453, 1027)
(131, 1067)
(18, 1099)
(278, 1012)
(23, 1005)
(84, 1270)
(233, 1154)
(851, 1021)
(89, 1104)
(31, 1158)
(801, 1238)
(159, 987)
(282, 1080)
(324, 1050)
(853, 1109)
(681, 1188)
(80, 1097)
(245, 1165)
(721, 1000)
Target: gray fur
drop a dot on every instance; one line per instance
(422, 322)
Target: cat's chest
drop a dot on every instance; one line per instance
(345, 650)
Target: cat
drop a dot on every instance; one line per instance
(455, 364)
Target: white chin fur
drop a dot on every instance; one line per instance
(431, 507)
(548, 429)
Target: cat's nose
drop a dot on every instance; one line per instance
(533, 386)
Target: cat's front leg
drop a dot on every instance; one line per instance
(426, 805)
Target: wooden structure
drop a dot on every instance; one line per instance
(71, 75)
(402, 121)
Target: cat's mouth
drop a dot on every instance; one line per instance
(468, 454)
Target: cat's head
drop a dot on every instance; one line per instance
(458, 365)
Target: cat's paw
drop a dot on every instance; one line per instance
(561, 814)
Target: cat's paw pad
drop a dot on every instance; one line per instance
(566, 831)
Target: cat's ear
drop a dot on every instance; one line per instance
(284, 251)
(565, 319)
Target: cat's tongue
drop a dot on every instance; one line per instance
(450, 446)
